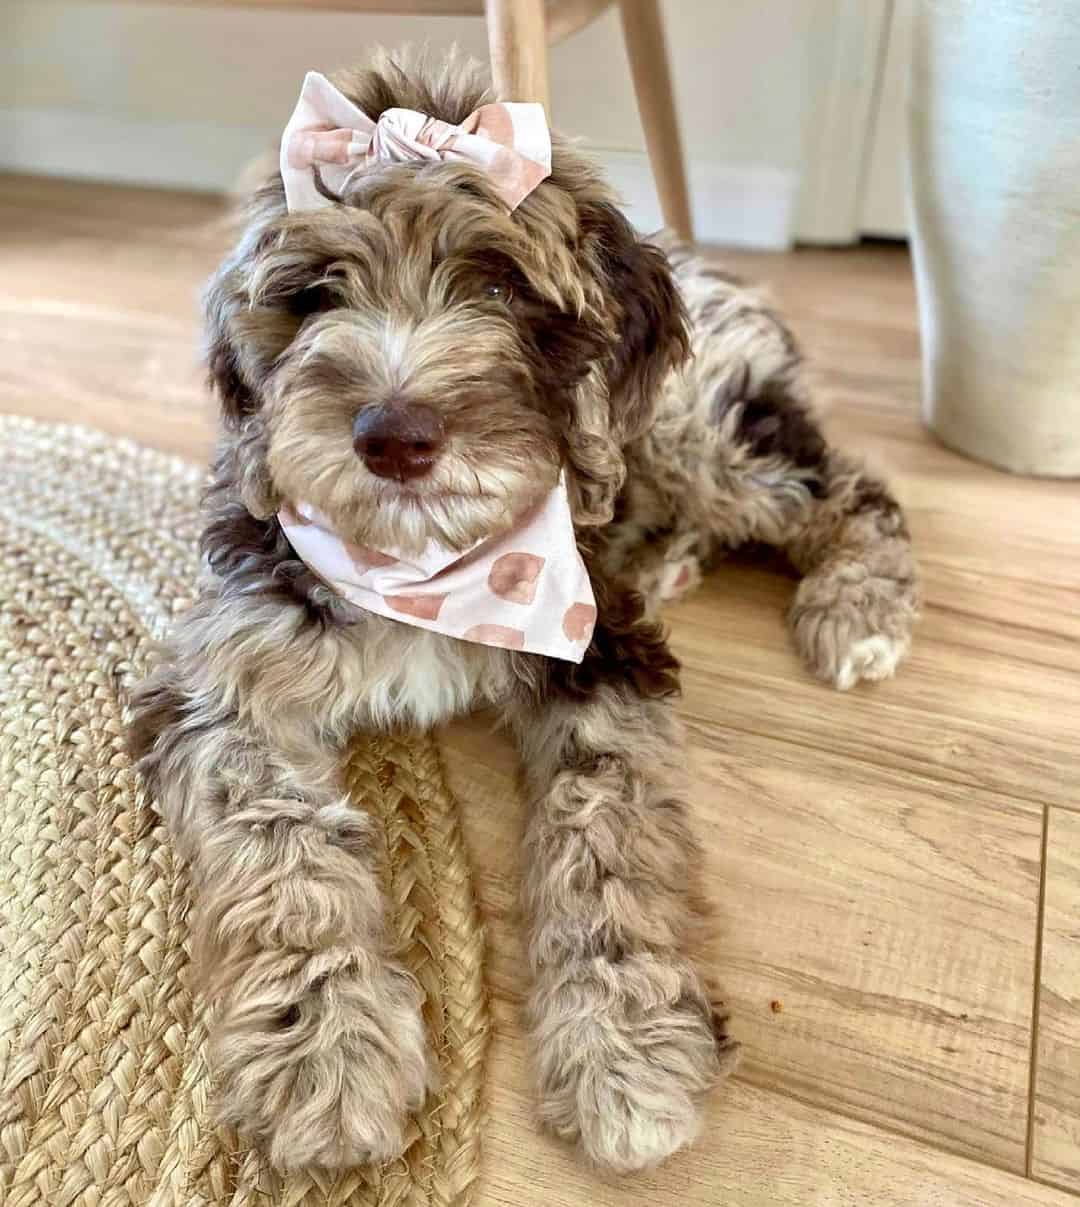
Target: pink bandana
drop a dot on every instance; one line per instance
(510, 142)
(527, 589)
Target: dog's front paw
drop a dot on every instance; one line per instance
(324, 1077)
(850, 625)
(625, 1053)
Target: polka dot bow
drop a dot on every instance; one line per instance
(328, 138)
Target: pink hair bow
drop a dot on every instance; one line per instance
(329, 135)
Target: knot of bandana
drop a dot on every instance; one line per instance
(328, 138)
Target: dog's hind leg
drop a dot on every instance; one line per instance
(736, 456)
(858, 600)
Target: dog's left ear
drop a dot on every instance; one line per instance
(651, 326)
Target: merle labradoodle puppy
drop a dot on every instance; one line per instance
(497, 350)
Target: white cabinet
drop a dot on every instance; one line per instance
(883, 204)
(855, 132)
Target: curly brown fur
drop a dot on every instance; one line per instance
(735, 455)
(627, 1038)
(578, 360)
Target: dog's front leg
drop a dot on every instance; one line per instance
(626, 1039)
(317, 1040)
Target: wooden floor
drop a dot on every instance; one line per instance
(896, 870)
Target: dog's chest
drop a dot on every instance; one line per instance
(408, 675)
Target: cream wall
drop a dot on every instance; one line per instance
(174, 95)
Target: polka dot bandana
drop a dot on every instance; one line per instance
(526, 589)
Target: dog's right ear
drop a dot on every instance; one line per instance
(220, 305)
(243, 338)
(248, 325)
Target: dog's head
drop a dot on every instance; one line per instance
(416, 362)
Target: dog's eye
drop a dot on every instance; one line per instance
(497, 291)
(312, 300)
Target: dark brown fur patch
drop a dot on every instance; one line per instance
(773, 424)
(870, 496)
(627, 651)
(236, 397)
(156, 710)
(251, 556)
(652, 333)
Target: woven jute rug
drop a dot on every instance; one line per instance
(105, 1096)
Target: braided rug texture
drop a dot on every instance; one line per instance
(105, 1096)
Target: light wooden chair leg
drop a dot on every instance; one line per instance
(646, 48)
(517, 36)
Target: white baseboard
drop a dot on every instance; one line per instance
(742, 205)
(98, 146)
(746, 205)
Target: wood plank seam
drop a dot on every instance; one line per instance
(932, 775)
(1040, 918)
(1049, 1182)
(924, 779)
(886, 1129)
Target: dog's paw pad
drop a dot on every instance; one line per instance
(678, 577)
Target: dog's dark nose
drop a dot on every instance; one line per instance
(399, 440)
